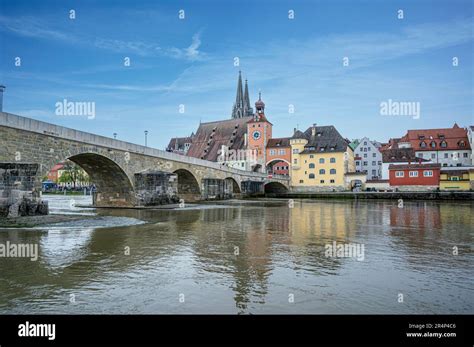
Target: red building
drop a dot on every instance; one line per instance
(414, 175)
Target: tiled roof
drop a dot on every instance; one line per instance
(400, 155)
(392, 144)
(178, 142)
(298, 135)
(325, 139)
(210, 137)
(279, 142)
(414, 166)
(452, 137)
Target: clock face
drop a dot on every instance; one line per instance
(256, 135)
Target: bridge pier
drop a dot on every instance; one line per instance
(19, 193)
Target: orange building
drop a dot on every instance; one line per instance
(278, 156)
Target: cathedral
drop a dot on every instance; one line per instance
(239, 142)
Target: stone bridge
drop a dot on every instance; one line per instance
(113, 165)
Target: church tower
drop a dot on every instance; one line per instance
(242, 102)
(259, 131)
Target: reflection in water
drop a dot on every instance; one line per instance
(249, 258)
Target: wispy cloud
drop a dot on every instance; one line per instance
(34, 28)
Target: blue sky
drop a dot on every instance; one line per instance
(191, 62)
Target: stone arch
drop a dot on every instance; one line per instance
(114, 187)
(232, 185)
(188, 185)
(269, 165)
(275, 187)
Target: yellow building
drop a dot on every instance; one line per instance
(320, 159)
(457, 179)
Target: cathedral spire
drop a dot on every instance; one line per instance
(242, 101)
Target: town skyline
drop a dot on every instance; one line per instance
(191, 62)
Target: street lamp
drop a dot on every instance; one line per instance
(115, 135)
(146, 134)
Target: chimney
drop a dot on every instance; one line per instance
(2, 88)
(313, 130)
(294, 130)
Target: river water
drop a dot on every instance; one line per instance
(246, 257)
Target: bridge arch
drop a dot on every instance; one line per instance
(232, 186)
(114, 187)
(271, 163)
(188, 185)
(275, 187)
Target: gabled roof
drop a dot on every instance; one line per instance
(210, 137)
(325, 139)
(414, 166)
(453, 137)
(178, 142)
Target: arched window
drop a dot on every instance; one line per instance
(462, 144)
(311, 165)
(333, 160)
(444, 144)
(422, 144)
(433, 144)
(332, 171)
(311, 176)
(322, 171)
(321, 160)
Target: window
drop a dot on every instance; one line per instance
(332, 181)
(428, 173)
(332, 160)
(365, 143)
(311, 165)
(272, 152)
(374, 163)
(443, 144)
(332, 171)
(365, 149)
(295, 151)
(321, 160)
(357, 163)
(311, 176)
(368, 148)
(462, 144)
(422, 144)
(322, 171)
(365, 155)
(399, 174)
(420, 155)
(374, 155)
(413, 173)
(445, 155)
(464, 155)
(380, 163)
(295, 161)
(322, 181)
(365, 163)
(374, 172)
(311, 156)
(281, 151)
(433, 155)
(301, 181)
(433, 144)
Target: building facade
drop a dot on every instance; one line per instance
(278, 156)
(320, 159)
(415, 177)
(447, 146)
(368, 158)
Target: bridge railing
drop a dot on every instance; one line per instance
(28, 124)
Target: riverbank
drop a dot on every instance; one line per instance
(33, 221)
(377, 195)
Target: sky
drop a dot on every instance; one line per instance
(331, 63)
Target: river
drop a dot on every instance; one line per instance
(246, 257)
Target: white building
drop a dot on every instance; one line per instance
(368, 158)
(470, 135)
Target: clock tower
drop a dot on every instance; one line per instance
(259, 131)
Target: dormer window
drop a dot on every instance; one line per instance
(318, 134)
(441, 136)
(443, 144)
(421, 137)
(462, 144)
(423, 144)
(433, 144)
